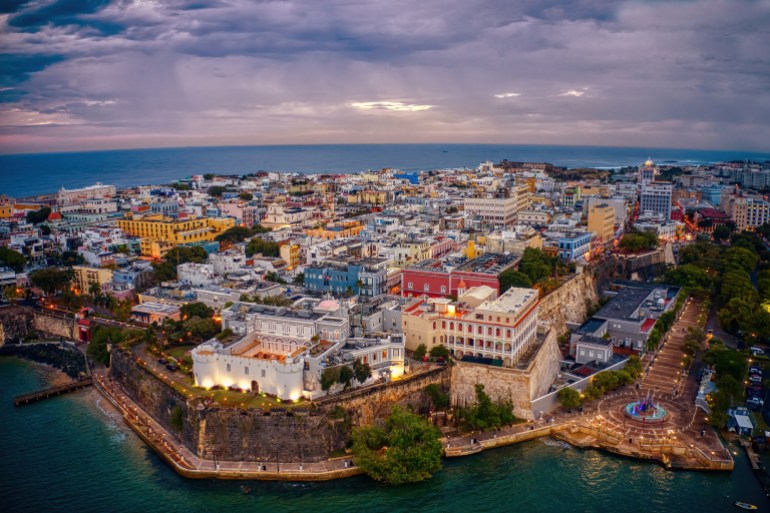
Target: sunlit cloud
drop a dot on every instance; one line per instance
(507, 95)
(391, 105)
(573, 92)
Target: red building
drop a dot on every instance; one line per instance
(434, 278)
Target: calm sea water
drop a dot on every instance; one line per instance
(23, 175)
(73, 453)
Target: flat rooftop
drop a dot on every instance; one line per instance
(631, 298)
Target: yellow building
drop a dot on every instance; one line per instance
(336, 232)
(601, 221)
(6, 211)
(154, 248)
(369, 197)
(290, 253)
(168, 231)
(84, 277)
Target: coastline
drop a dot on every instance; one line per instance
(573, 429)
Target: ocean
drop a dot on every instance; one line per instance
(29, 174)
(74, 454)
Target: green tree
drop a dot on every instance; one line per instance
(51, 280)
(537, 265)
(512, 278)
(420, 352)
(736, 283)
(234, 235)
(38, 216)
(346, 377)
(329, 377)
(721, 233)
(689, 276)
(439, 351)
(361, 371)
(166, 270)
(197, 309)
(258, 228)
(246, 196)
(569, 398)
(202, 329)
(70, 258)
(265, 247)
(217, 191)
(12, 259)
(438, 397)
(638, 241)
(406, 450)
(10, 293)
(740, 258)
(486, 414)
(702, 254)
(299, 279)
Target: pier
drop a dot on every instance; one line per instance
(52, 392)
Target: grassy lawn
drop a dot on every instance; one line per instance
(179, 352)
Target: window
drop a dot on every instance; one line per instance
(246, 370)
(410, 285)
(263, 373)
(228, 367)
(443, 289)
(426, 287)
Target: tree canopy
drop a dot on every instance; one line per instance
(406, 450)
(638, 241)
(512, 278)
(197, 309)
(166, 269)
(51, 280)
(265, 247)
(38, 216)
(12, 259)
(536, 265)
(234, 235)
(486, 414)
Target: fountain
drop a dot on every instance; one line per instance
(644, 410)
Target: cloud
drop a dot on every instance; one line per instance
(142, 72)
(390, 105)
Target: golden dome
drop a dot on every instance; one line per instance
(649, 163)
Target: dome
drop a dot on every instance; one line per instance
(462, 285)
(328, 305)
(649, 163)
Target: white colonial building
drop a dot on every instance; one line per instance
(283, 352)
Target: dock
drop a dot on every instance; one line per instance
(52, 392)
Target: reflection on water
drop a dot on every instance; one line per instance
(74, 453)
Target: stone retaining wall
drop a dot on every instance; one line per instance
(520, 386)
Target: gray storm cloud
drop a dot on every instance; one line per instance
(97, 74)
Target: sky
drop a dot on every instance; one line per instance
(95, 74)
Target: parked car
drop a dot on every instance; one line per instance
(756, 350)
(171, 367)
(755, 379)
(755, 370)
(162, 361)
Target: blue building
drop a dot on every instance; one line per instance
(575, 246)
(713, 194)
(366, 277)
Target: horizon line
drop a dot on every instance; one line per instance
(289, 145)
